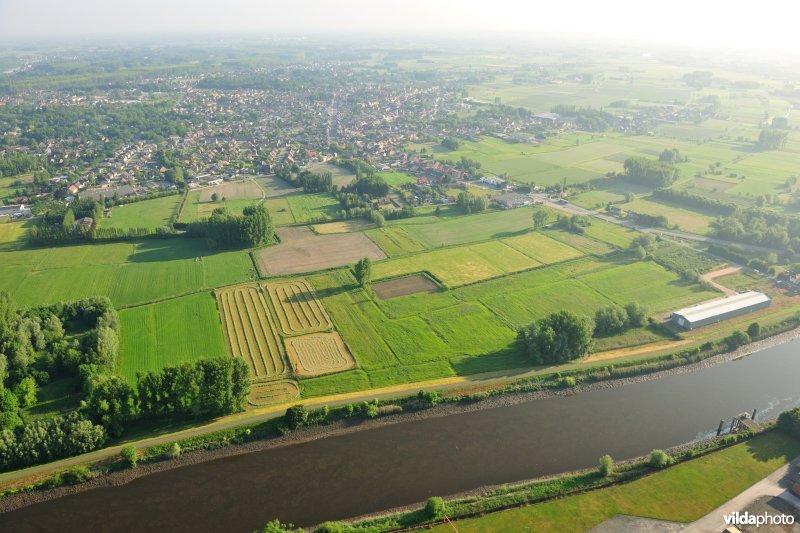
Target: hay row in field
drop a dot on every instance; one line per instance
(272, 392)
(319, 353)
(298, 309)
(250, 331)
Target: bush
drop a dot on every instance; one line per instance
(275, 526)
(754, 330)
(789, 421)
(568, 381)
(175, 451)
(435, 508)
(736, 339)
(606, 467)
(609, 320)
(330, 527)
(659, 459)
(370, 410)
(296, 416)
(129, 455)
(76, 475)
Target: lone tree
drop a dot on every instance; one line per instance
(606, 466)
(609, 320)
(558, 337)
(363, 271)
(540, 218)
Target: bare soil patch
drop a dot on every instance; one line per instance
(301, 251)
(403, 286)
(319, 353)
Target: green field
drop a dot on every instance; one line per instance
(313, 207)
(168, 333)
(145, 214)
(695, 488)
(128, 273)
(12, 235)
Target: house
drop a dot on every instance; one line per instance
(720, 309)
(492, 181)
(15, 211)
(614, 210)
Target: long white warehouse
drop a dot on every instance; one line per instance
(720, 309)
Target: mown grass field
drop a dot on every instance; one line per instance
(128, 273)
(311, 207)
(13, 235)
(145, 214)
(682, 493)
(168, 333)
(233, 196)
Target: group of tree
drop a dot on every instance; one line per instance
(311, 182)
(672, 156)
(772, 139)
(695, 201)
(451, 144)
(371, 185)
(208, 387)
(760, 227)
(14, 163)
(224, 230)
(363, 271)
(469, 203)
(573, 224)
(614, 319)
(587, 118)
(558, 337)
(644, 171)
(173, 170)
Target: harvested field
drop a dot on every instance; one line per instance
(301, 251)
(403, 286)
(345, 226)
(319, 353)
(234, 190)
(299, 311)
(272, 392)
(250, 331)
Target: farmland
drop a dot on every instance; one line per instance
(299, 311)
(318, 353)
(154, 213)
(233, 196)
(129, 273)
(301, 250)
(168, 333)
(250, 331)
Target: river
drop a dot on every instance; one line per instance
(368, 471)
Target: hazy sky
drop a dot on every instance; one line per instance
(739, 23)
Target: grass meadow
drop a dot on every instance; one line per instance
(145, 214)
(168, 333)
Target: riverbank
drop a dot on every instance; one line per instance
(263, 436)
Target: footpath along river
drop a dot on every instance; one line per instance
(368, 471)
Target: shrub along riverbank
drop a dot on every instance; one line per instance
(299, 417)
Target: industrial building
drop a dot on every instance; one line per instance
(721, 309)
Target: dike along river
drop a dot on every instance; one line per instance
(368, 471)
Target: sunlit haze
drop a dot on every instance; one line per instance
(735, 24)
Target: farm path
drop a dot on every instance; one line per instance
(711, 276)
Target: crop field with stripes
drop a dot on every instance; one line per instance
(250, 331)
(298, 308)
(319, 353)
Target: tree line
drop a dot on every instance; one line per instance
(224, 230)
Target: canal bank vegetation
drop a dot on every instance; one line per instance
(352, 416)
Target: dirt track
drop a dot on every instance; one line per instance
(301, 250)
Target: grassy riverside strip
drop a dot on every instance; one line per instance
(589, 482)
(465, 397)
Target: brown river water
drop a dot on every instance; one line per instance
(368, 471)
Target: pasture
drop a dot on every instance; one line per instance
(153, 213)
(309, 208)
(300, 250)
(344, 226)
(129, 273)
(233, 196)
(169, 333)
(250, 332)
(340, 175)
(13, 234)
(318, 353)
(297, 306)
